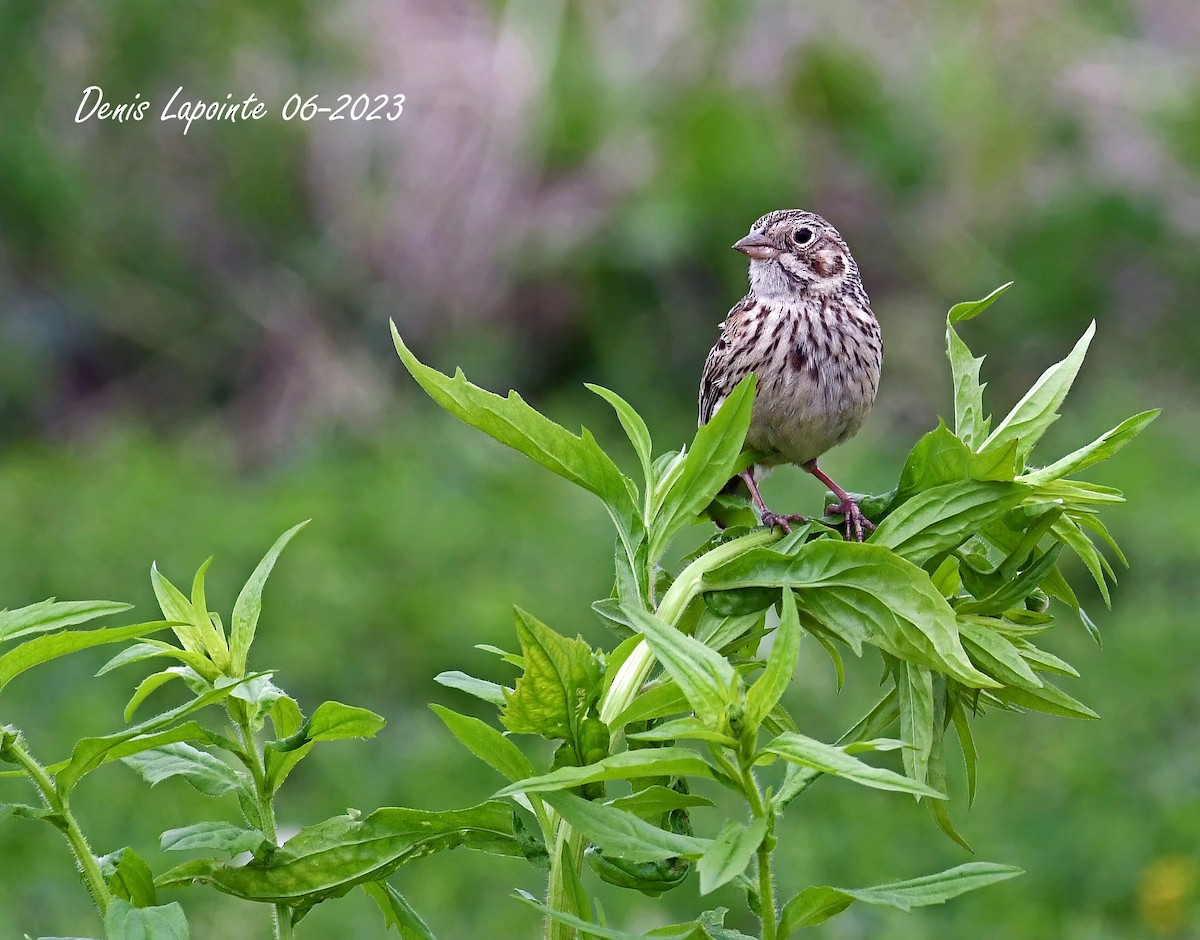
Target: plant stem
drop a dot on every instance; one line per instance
(266, 806)
(568, 850)
(18, 753)
(628, 681)
(768, 915)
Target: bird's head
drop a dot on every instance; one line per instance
(793, 252)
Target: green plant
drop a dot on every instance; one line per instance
(950, 590)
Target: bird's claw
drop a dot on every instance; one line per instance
(855, 521)
(773, 519)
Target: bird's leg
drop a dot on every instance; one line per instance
(855, 520)
(769, 519)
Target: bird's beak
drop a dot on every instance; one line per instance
(756, 246)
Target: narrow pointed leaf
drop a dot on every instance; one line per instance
(781, 664)
(42, 649)
(1097, 451)
(48, 615)
(397, 912)
(830, 759)
(1037, 410)
(707, 680)
(627, 765)
(486, 743)
(249, 603)
(623, 834)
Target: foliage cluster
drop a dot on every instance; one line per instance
(950, 590)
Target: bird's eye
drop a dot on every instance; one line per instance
(802, 236)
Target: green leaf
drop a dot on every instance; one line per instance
(1036, 411)
(249, 604)
(688, 727)
(943, 517)
(207, 773)
(862, 593)
(627, 765)
(48, 615)
(689, 931)
(90, 753)
(515, 424)
(218, 836)
(154, 649)
(781, 664)
(132, 879)
(148, 686)
(966, 741)
(914, 695)
(486, 743)
(707, 680)
(330, 858)
(561, 676)
(829, 759)
(177, 608)
(1049, 699)
(656, 800)
(210, 631)
(397, 912)
(1097, 451)
(657, 700)
(730, 852)
(713, 458)
(970, 422)
(126, 922)
(43, 649)
(623, 834)
(813, 906)
(333, 721)
(939, 458)
(1067, 532)
(491, 692)
(997, 655)
(635, 428)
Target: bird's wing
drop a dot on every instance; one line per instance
(723, 368)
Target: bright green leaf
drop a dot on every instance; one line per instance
(781, 664)
(627, 765)
(249, 604)
(561, 676)
(729, 853)
(830, 759)
(397, 912)
(623, 834)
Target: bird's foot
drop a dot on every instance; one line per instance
(856, 523)
(773, 519)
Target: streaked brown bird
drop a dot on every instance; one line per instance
(807, 332)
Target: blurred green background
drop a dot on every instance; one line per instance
(194, 356)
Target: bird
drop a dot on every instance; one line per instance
(807, 332)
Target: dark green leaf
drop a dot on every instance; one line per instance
(656, 800)
(687, 727)
(970, 423)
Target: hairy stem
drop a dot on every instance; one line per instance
(16, 751)
(768, 914)
(282, 915)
